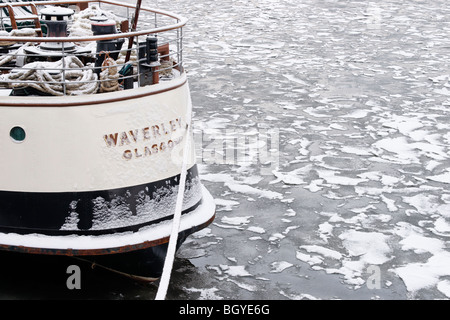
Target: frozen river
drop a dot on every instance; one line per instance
(343, 111)
(322, 130)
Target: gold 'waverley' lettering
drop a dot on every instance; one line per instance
(144, 134)
(151, 140)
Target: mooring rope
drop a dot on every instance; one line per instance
(109, 76)
(47, 77)
(170, 256)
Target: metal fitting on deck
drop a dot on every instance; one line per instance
(150, 68)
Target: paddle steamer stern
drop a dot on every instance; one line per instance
(91, 172)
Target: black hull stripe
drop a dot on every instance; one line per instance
(133, 228)
(46, 213)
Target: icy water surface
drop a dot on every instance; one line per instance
(357, 97)
(322, 130)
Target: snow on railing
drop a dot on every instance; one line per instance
(85, 62)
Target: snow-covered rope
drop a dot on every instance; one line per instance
(24, 32)
(49, 77)
(11, 56)
(170, 256)
(81, 23)
(14, 33)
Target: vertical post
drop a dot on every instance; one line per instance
(138, 61)
(155, 74)
(178, 46)
(180, 61)
(1, 19)
(152, 57)
(133, 28)
(64, 69)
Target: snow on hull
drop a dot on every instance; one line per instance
(120, 242)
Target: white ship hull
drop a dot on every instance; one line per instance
(97, 175)
(119, 154)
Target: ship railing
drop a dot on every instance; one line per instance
(21, 54)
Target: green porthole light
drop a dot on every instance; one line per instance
(17, 134)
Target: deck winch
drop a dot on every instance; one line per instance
(101, 25)
(149, 61)
(56, 19)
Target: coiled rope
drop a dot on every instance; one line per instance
(67, 76)
(109, 75)
(25, 32)
(14, 33)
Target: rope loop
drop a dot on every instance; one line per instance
(109, 74)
